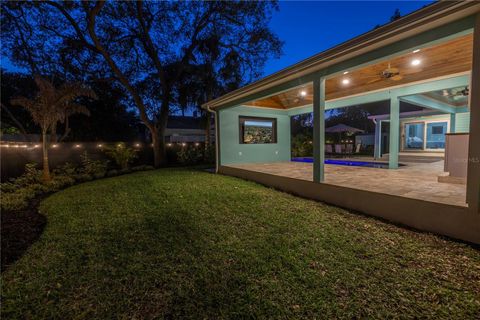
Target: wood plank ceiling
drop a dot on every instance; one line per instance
(447, 58)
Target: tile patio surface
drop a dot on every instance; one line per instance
(414, 180)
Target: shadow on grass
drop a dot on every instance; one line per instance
(19, 231)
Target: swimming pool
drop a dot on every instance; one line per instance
(340, 162)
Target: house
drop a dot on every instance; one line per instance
(185, 129)
(429, 58)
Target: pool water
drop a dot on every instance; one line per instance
(369, 164)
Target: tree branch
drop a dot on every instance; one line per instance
(73, 23)
(148, 44)
(91, 19)
(17, 123)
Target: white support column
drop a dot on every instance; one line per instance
(394, 132)
(318, 129)
(473, 173)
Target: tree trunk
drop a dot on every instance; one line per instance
(207, 131)
(158, 135)
(161, 146)
(46, 168)
(208, 118)
(67, 130)
(157, 157)
(53, 133)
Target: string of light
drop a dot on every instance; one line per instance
(100, 145)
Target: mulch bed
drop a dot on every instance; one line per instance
(20, 229)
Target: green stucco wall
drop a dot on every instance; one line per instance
(232, 151)
(462, 122)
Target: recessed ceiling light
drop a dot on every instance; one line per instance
(346, 72)
(415, 62)
(416, 50)
(345, 81)
(303, 93)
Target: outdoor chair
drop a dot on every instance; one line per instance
(338, 149)
(357, 149)
(328, 149)
(349, 149)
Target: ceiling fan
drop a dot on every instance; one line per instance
(463, 92)
(391, 73)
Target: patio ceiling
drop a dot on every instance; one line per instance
(447, 58)
(457, 97)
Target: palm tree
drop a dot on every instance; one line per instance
(69, 109)
(51, 105)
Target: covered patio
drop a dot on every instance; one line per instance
(429, 170)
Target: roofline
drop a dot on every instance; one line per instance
(429, 17)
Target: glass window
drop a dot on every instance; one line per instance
(436, 135)
(258, 130)
(414, 135)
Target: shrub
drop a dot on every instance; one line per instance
(83, 177)
(18, 199)
(7, 187)
(59, 182)
(68, 169)
(17, 193)
(125, 171)
(172, 153)
(121, 154)
(302, 146)
(142, 168)
(30, 176)
(14, 201)
(94, 168)
(35, 189)
(190, 155)
(112, 173)
(209, 156)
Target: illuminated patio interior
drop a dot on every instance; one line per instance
(434, 77)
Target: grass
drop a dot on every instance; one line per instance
(180, 243)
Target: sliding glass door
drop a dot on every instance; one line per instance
(436, 135)
(414, 136)
(428, 135)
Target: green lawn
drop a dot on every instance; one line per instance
(186, 244)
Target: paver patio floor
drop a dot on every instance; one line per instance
(414, 180)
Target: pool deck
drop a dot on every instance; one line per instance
(417, 180)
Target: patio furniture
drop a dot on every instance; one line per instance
(338, 149)
(357, 149)
(345, 147)
(349, 149)
(328, 149)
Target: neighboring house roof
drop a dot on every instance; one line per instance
(185, 122)
(437, 14)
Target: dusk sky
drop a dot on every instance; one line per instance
(309, 27)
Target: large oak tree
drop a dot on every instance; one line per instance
(149, 47)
